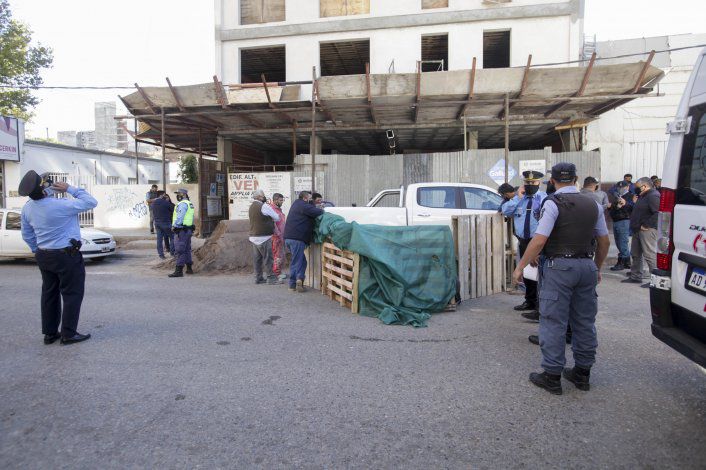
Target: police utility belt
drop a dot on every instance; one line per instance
(184, 227)
(571, 256)
(69, 250)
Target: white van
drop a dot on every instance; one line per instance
(678, 285)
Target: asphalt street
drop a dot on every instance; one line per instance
(215, 372)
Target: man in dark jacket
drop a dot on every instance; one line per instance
(620, 210)
(643, 227)
(297, 236)
(162, 208)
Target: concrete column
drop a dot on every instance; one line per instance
(571, 140)
(316, 145)
(472, 140)
(224, 150)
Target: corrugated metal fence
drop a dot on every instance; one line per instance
(348, 179)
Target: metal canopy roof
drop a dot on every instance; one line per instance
(425, 110)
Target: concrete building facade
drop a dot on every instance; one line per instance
(287, 38)
(632, 138)
(86, 140)
(109, 132)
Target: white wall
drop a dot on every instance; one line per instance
(307, 11)
(548, 39)
(124, 206)
(632, 138)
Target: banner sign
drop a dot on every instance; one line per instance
(10, 138)
(533, 165)
(241, 187)
(497, 173)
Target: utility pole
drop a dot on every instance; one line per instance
(137, 158)
(164, 157)
(312, 144)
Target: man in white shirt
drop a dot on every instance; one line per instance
(262, 226)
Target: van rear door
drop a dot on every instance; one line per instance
(689, 224)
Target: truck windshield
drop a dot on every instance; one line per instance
(692, 170)
(389, 200)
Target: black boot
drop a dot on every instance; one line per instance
(189, 270)
(619, 265)
(549, 382)
(526, 305)
(579, 377)
(178, 272)
(533, 315)
(626, 263)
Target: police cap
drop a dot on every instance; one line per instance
(182, 191)
(32, 185)
(564, 172)
(531, 175)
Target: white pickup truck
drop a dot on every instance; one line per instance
(423, 204)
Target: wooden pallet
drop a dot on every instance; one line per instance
(339, 275)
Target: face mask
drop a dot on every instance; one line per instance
(531, 189)
(179, 197)
(623, 191)
(48, 192)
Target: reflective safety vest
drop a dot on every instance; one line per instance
(188, 217)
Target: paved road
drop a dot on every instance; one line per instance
(216, 372)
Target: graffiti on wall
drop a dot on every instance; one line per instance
(123, 200)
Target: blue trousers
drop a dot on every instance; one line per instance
(165, 236)
(621, 231)
(63, 278)
(567, 296)
(182, 245)
(297, 267)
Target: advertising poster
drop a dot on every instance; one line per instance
(497, 172)
(533, 165)
(241, 187)
(10, 138)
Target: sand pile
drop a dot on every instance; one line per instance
(227, 250)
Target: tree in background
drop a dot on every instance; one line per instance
(189, 169)
(20, 65)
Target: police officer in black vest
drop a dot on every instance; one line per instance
(569, 222)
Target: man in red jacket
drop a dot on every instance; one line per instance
(278, 237)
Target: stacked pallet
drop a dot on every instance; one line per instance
(339, 275)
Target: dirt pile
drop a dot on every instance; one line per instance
(227, 250)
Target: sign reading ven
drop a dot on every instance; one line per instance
(241, 187)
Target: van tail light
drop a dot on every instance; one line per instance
(665, 219)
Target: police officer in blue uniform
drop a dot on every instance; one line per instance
(524, 210)
(50, 227)
(573, 238)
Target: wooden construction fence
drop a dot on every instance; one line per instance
(480, 250)
(313, 266)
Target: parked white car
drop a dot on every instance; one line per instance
(423, 204)
(96, 244)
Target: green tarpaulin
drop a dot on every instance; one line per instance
(406, 273)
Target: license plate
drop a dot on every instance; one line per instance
(698, 279)
(105, 249)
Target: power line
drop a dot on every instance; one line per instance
(120, 87)
(76, 87)
(622, 56)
